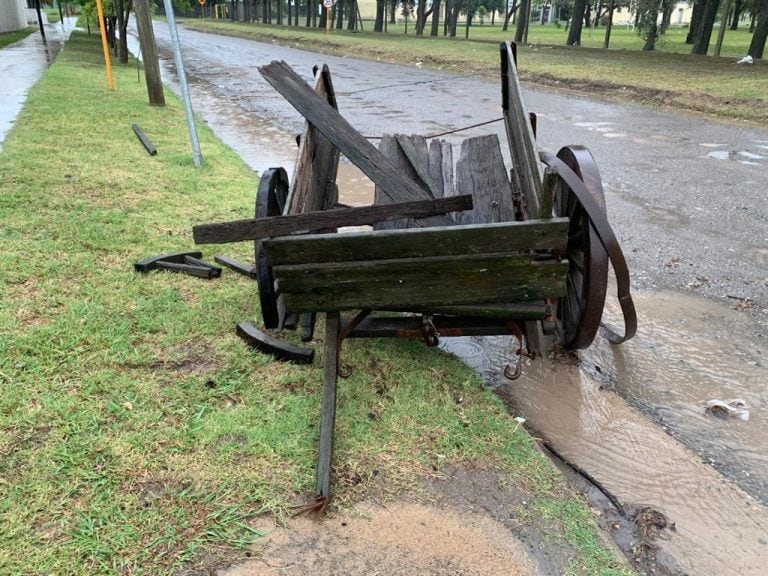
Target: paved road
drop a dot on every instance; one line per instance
(685, 195)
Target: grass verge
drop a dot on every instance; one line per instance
(7, 38)
(137, 433)
(713, 86)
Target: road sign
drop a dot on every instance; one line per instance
(328, 3)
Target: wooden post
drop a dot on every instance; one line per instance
(149, 53)
(328, 414)
(723, 26)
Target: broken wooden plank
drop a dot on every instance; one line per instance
(349, 141)
(238, 230)
(440, 161)
(420, 242)
(314, 176)
(265, 343)
(522, 143)
(480, 172)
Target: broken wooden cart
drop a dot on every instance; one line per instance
(481, 251)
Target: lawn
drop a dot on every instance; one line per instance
(138, 434)
(7, 38)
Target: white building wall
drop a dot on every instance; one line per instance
(13, 15)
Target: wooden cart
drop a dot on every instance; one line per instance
(478, 251)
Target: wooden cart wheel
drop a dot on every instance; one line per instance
(579, 312)
(270, 201)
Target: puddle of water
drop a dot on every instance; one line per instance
(21, 66)
(688, 351)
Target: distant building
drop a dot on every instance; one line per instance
(13, 15)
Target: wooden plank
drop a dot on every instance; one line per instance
(419, 242)
(522, 142)
(548, 187)
(414, 148)
(256, 229)
(389, 147)
(440, 161)
(349, 141)
(480, 172)
(314, 175)
(328, 406)
(413, 284)
(516, 311)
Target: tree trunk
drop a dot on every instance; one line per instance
(392, 11)
(123, 8)
(577, 21)
(757, 46)
(279, 12)
(378, 25)
(667, 7)
(693, 28)
(435, 18)
(509, 14)
(339, 14)
(352, 18)
(651, 37)
(421, 17)
(521, 29)
(149, 53)
(701, 45)
(737, 8)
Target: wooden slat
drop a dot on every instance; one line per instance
(522, 143)
(328, 407)
(417, 243)
(480, 172)
(516, 311)
(349, 141)
(315, 173)
(256, 229)
(441, 167)
(418, 283)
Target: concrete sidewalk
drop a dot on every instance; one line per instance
(22, 64)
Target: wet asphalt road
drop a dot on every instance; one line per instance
(686, 196)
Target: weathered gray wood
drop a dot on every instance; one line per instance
(413, 327)
(414, 148)
(480, 172)
(419, 242)
(522, 143)
(316, 169)
(441, 167)
(417, 283)
(548, 192)
(349, 141)
(328, 406)
(256, 229)
(389, 147)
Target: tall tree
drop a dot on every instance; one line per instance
(508, 15)
(378, 24)
(738, 6)
(693, 27)
(521, 30)
(577, 21)
(435, 18)
(757, 46)
(647, 22)
(704, 35)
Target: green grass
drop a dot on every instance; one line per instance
(7, 38)
(137, 433)
(702, 84)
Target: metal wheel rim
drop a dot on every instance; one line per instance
(580, 310)
(270, 201)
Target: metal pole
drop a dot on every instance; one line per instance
(197, 157)
(40, 19)
(104, 47)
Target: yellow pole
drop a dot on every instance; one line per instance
(100, 9)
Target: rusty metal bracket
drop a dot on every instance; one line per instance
(513, 373)
(431, 336)
(344, 370)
